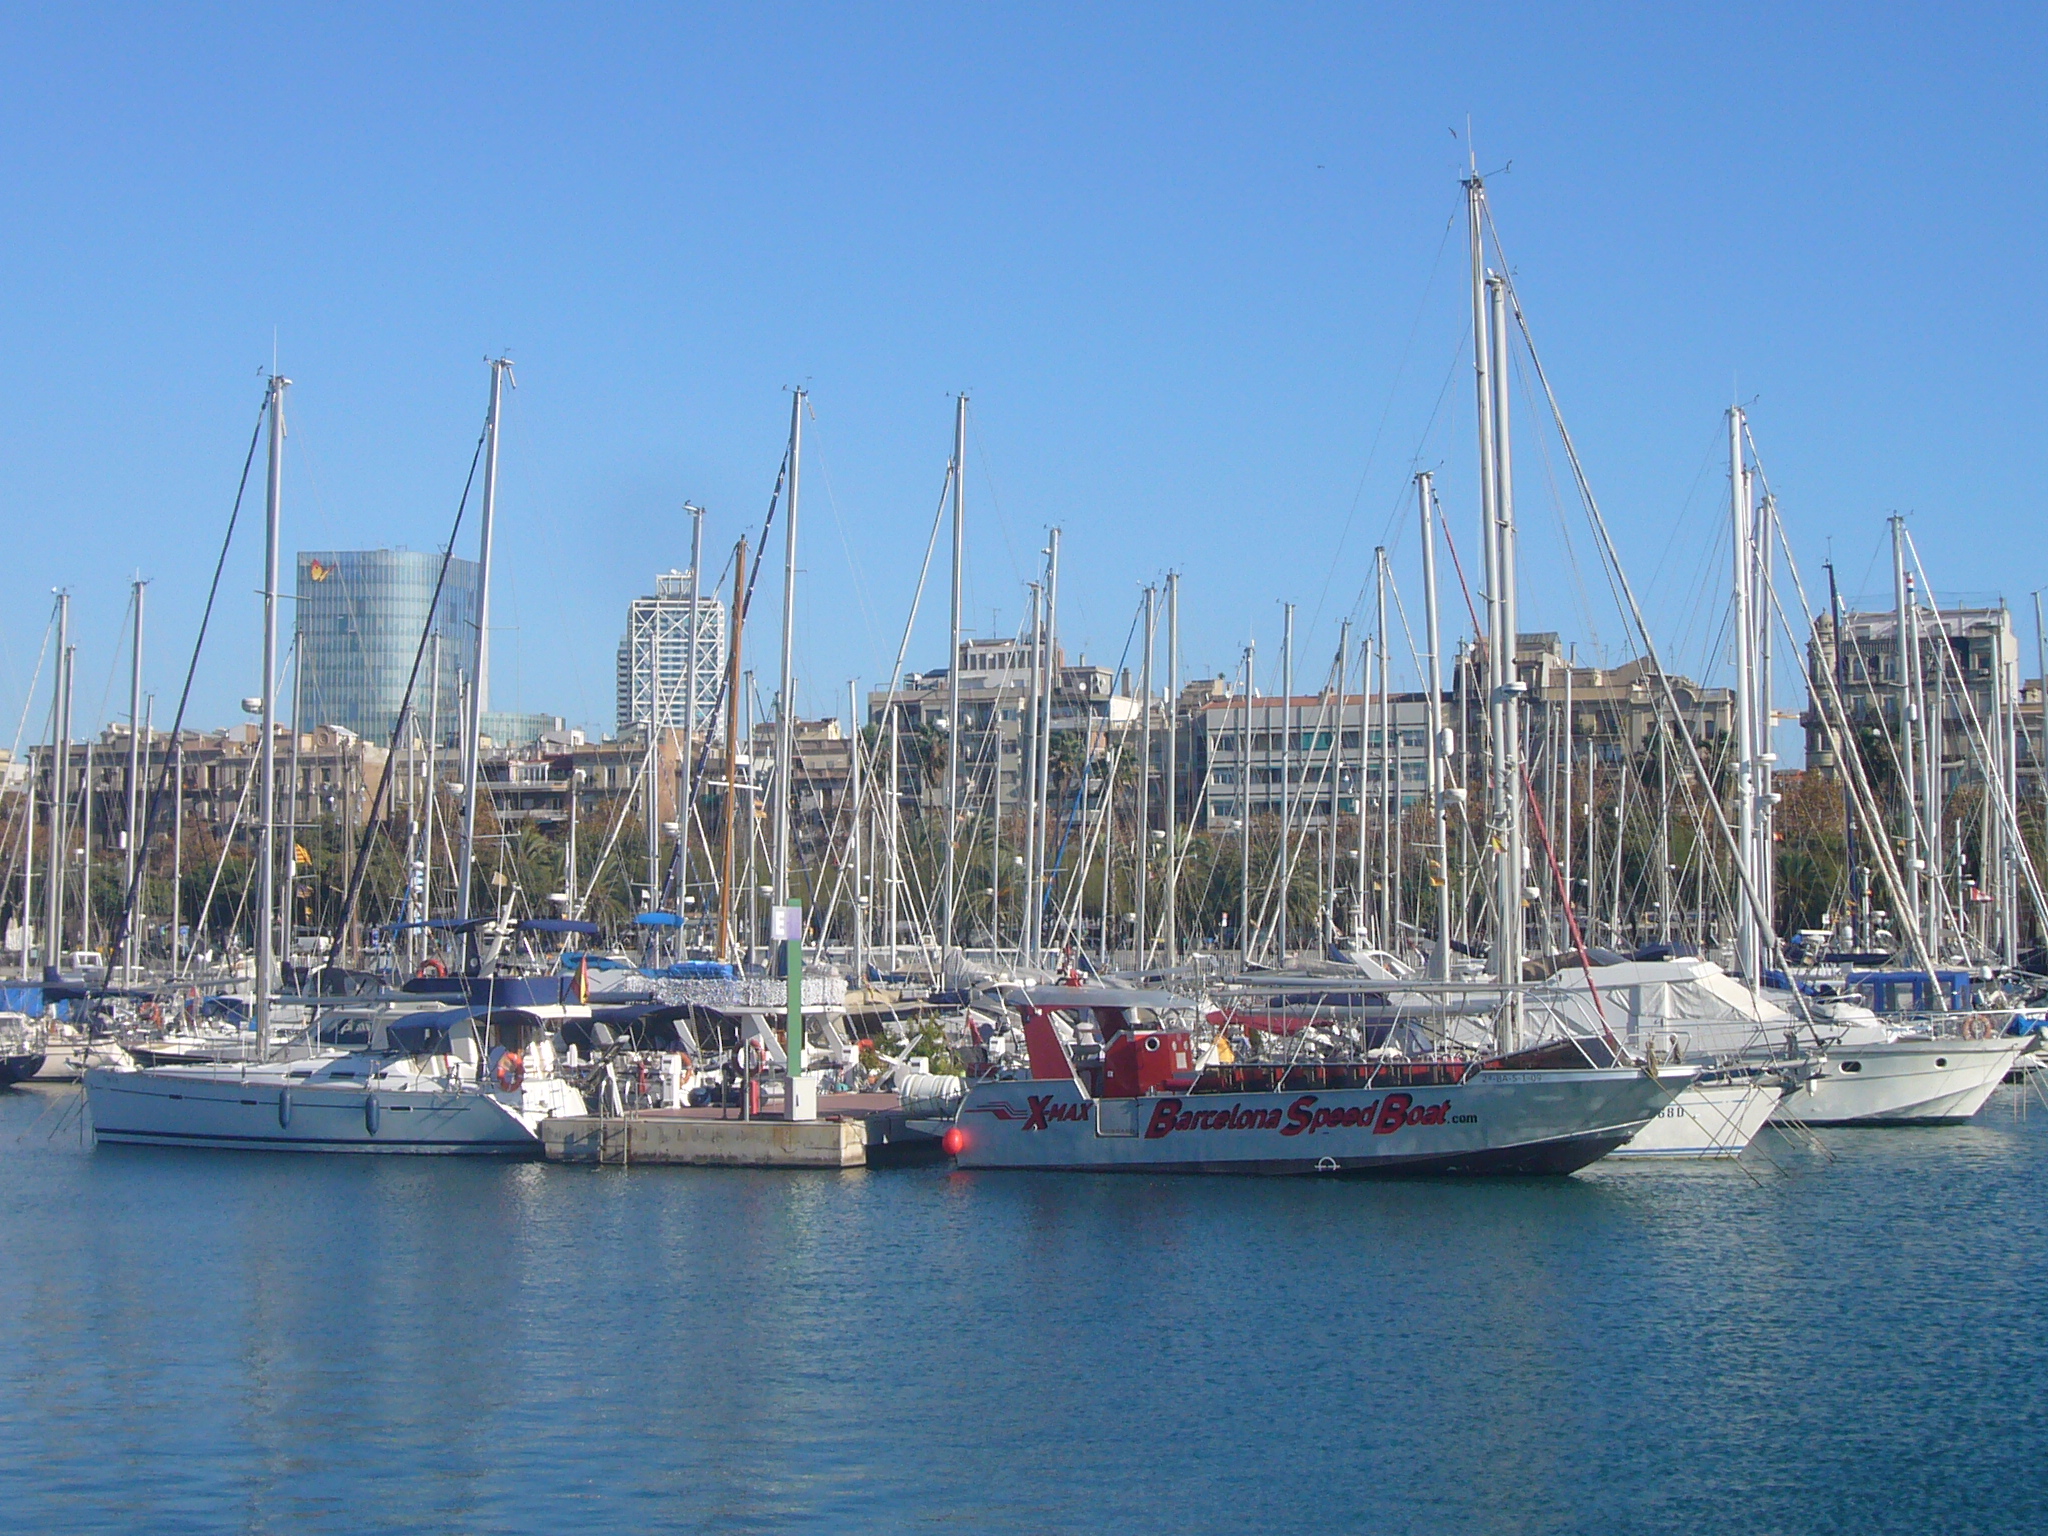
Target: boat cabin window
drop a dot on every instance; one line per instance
(345, 1030)
(419, 1039)
(511, 1031)
(1852, 1066)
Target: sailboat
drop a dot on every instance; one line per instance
(1147, 1095)
(476, 1078)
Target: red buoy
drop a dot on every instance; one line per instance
(954, 1141)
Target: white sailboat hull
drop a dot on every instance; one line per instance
(1902, 1082)
(1707, 1120)
(188, 1107)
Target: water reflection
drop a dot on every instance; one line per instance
(205, 1340)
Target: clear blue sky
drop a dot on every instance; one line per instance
(1189, 262)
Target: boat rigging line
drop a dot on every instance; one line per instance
(360, 866)
(156, 795)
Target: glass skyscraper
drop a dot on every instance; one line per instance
(361, 613)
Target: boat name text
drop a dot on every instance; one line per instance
(1304, 1116)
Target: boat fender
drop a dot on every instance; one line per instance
(372, 1113)
(511, 1073)
(284, 1108)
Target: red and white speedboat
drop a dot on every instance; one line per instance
(1149, 1101)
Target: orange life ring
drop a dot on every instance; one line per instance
(148, 1011)
(433, 965)
(511, 1071)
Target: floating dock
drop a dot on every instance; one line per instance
(851, 1131)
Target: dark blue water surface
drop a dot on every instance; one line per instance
(195, 1341)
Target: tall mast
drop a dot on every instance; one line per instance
(433, 789)
(1108, 838)
(177, 750)
(1934, 888)
(1055, 667)
(785, 705)
(735, 630)
(1432, 683)
(291, 813)
(1564, 832)
(1746, 937)
(1389, 760)
(1028, 764)
(949, 897)
(571, 874)
(1483, 386)
(1244, 803)
(1359, 884)
(60, 789)
(1762, 864)
(1141, 939)
(1499, 668)
(1995, 873)
(1663, 834)
(28, 869)
(1908, 717)
(860, 956)
(85, 801)
(686, 783)
(266, 904)
(2041, 667)
(750, 882)
(132, 825)
(2041, 739)
(1286, 776)
(894, 823)
(148, 734)
(480, 687)
(1335, 775)
(1507, 725)
(650, 794)
(1620, 844)
(1856, 913)
(992, 744)
(1044, 787)
(1172, 891)
(61, 872)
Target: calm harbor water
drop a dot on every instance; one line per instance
(196, 1341)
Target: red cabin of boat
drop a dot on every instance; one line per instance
(1142, 1061)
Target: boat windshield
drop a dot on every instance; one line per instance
(418, 1039)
